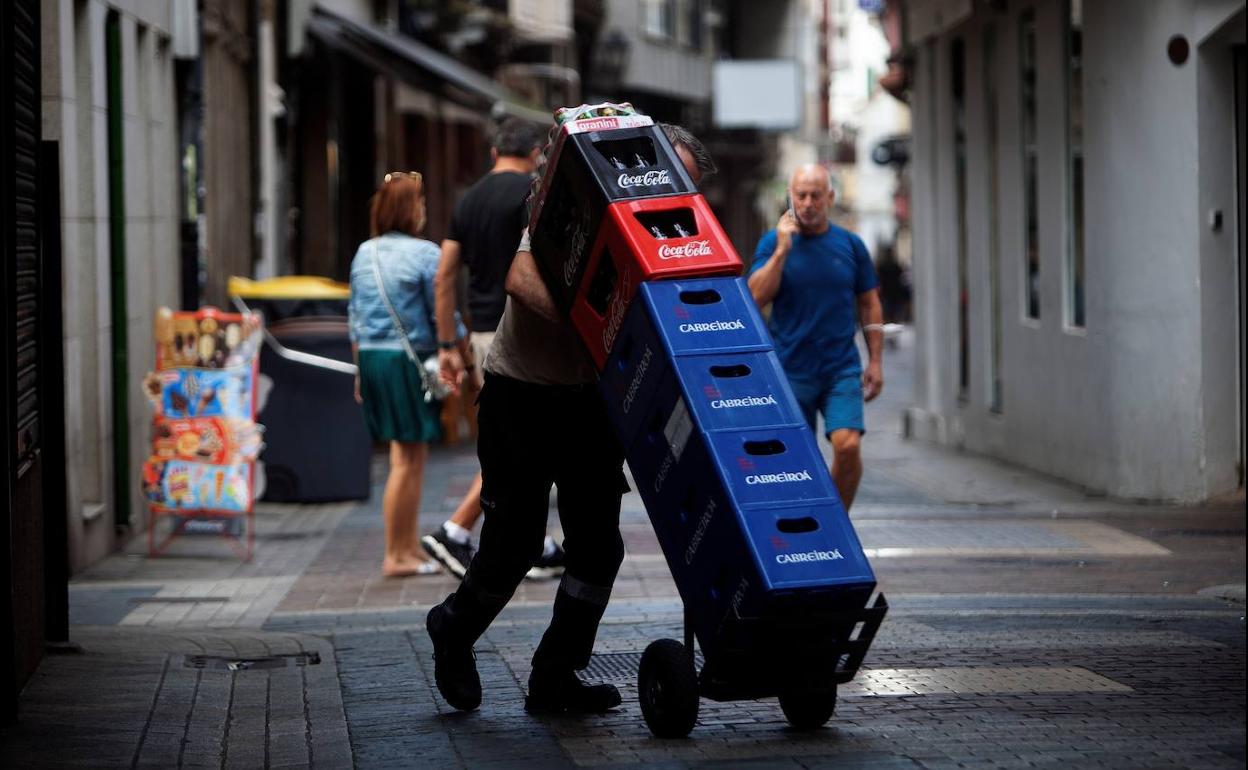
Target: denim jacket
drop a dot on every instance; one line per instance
(408, 266)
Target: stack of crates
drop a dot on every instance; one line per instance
(737, 491)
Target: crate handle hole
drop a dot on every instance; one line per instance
(625, 356)
(671, 223)
(634, 152)
(603, 284)
(770, 447)
(686, 505)
(734, 370)
(700, 297)
(798, 525)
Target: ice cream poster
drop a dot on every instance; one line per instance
(206, 392)
(213, 440)
(193, 486)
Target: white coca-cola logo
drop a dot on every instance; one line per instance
(685, 250)
(648, 179)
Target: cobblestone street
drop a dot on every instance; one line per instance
(1030, 626)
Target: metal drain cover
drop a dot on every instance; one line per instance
(220, 663)
(621, 666)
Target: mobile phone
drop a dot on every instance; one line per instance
(788, 204)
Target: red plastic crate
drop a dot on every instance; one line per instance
(650, 239)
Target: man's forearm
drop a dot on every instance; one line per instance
(875, 344)
(444, 284)
(871, 316)
(765, 282)
(524, 284)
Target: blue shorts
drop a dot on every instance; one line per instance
(839, 400)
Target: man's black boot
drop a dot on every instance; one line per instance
(561, 691)
(454, 666)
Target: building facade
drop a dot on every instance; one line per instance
(108, 100)
(1078, 194)
(377, 87)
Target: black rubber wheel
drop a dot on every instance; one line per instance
(809, 709)
(667, 686)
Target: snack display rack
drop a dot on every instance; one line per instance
(200, 478)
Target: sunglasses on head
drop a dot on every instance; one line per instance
(393, 175)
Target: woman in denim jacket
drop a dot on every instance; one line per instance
(389, 385)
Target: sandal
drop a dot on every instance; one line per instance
(426, 567)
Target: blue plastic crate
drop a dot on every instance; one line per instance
(646, 364)
(735, 391)
(771, 465)
(703, 315)
(809, 545)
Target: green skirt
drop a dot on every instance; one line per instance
(395, 408)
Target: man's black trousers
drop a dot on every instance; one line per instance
(530, 437)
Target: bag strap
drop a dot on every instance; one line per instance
(398, 325)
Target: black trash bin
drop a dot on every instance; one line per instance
(316, 445)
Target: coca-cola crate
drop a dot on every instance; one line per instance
(555, 146)
(645, 240)
(591, 171)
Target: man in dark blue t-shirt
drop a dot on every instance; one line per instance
(820, 282)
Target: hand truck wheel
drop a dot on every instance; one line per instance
(808, 709)
(667, 686)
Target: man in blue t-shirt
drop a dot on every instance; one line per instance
(820, 282)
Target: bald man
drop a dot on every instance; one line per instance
(821, 284)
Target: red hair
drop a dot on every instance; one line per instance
(398, 205)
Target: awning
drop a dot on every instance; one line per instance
(419, 65)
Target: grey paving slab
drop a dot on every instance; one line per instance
(161, 712)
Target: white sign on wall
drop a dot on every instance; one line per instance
(757, 93)
(542, 20)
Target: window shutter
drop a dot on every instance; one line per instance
(21, 214)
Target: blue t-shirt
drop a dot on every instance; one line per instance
(815, 313)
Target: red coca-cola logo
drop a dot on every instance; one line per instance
(686, 250)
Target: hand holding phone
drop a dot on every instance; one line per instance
(787, 227)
